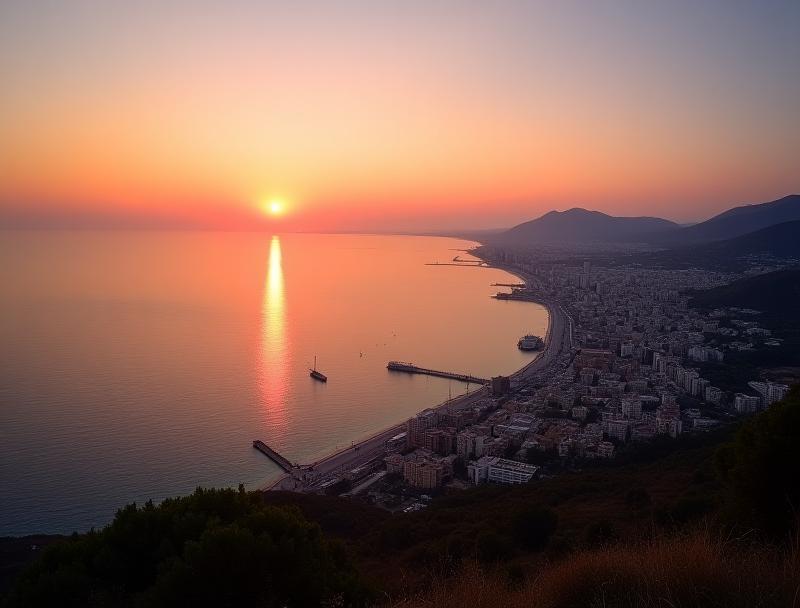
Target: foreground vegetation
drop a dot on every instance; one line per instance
(731, 543)
(690, 570)
(213, 548)
(709, 520)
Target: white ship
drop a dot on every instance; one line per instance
(529, 342)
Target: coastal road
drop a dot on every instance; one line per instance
(557, 340)
(559, 330)
(374, 446)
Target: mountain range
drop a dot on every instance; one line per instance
(580, 226)
(741, 220)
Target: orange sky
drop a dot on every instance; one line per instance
(408, 118)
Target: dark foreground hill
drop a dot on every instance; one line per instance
(580, 225)
(741, 556)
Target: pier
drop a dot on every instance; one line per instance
(513, 285)
(274, 456)
(409, 368)
(461, 263)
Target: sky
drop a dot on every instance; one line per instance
(382, 116)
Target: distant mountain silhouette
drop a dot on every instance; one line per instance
(581, 225)
(738, 221)
(774, 292)
(779, 241)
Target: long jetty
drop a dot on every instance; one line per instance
(281, 461)
(397, 366)
(465, 263)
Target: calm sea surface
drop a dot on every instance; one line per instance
(141, 365)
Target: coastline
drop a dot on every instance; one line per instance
(371, 446)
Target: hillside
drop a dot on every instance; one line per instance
(777, 242)
(777, 296)
(581, 225)
(740, 550)
(739, 220)
(774, 293)
(656, 487)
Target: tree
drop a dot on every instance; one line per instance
(761, 470)
(213, 548)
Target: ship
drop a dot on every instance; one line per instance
(529, 342)
(316, 374)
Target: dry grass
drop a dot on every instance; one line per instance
(695, 570)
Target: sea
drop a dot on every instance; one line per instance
(141, 365)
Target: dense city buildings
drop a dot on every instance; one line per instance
(625, 367)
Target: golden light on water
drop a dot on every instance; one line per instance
(274, 351)
(275, 280)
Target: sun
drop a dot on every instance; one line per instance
(274, 207)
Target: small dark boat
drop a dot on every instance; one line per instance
(317, 375)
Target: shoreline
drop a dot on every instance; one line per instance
(370, 447)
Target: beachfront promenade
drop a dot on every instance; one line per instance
(306, 478)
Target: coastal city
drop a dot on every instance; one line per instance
(399, 304)
(619, 366)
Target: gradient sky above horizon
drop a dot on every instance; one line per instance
(392, 116)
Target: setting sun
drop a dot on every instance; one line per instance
(274, 207)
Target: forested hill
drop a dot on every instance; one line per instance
(774, 293)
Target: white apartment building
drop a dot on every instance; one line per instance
(500, 470)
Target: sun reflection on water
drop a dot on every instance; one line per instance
(274, 350)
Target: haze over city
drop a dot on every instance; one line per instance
(357, 116)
